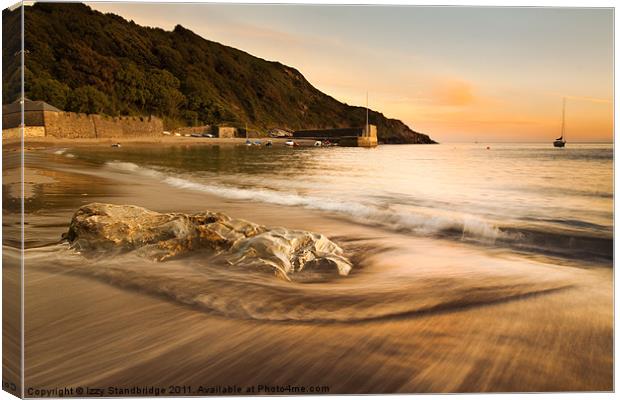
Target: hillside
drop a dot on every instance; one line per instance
(81, 60)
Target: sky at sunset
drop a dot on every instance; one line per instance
(456, 73)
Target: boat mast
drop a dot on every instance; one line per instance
(367, 126)
(563, 116)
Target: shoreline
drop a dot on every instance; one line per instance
(47, 142)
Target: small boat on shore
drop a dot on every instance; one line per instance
(561, 141)
(291, 143)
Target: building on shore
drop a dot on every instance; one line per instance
(44, 120)
(351, 137)
(34, 118)
(227, 132)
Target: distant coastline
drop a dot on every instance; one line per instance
(180, 77)
(49, 142)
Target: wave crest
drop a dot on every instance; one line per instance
(422, 221)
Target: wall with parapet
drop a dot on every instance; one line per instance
(73, 125)
(68, 125)
(109, 127)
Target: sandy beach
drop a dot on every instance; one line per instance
(417, 315)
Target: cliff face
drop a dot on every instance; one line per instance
(81, 60)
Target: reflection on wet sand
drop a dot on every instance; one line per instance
(11, 273)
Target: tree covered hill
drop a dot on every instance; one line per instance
(81, 60)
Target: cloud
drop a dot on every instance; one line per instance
(453, 92)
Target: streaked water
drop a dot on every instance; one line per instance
(473, 269)
(531, 197)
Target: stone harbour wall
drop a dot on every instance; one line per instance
(29, 131)
(108, 127)
(77, 125)
(74, 125)
(68, 125)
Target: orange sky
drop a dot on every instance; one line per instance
(456, 73)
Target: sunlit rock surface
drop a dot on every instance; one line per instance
(99, 228)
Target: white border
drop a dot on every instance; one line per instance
(462, 3)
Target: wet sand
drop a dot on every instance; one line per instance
(477, 321)
(90, 333)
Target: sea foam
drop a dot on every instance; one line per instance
(465, 226)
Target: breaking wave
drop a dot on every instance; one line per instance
(539, 238)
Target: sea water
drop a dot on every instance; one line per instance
(530, 197)
(474, 269)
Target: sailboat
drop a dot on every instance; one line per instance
(561, 141)
(248, 142)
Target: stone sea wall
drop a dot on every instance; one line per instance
(29, 131)
(74, 125)
(68, 125)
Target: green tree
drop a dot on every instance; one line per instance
(163, 95)
(87, 99)
(48, 90)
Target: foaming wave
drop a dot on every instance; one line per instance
(463, 226)
(563, 242)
